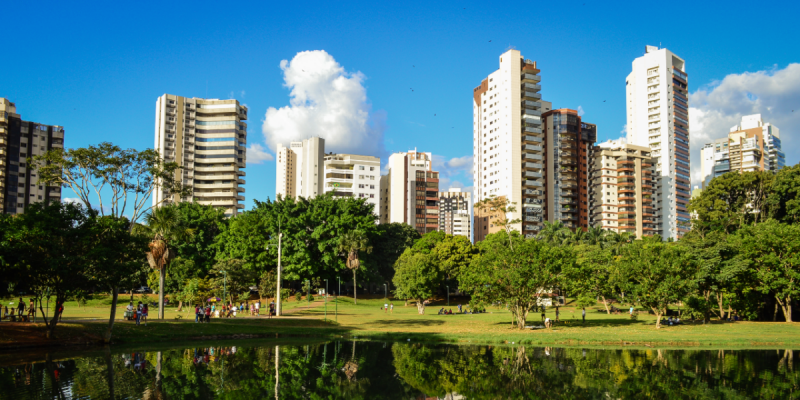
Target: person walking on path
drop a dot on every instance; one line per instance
(583, 312)
(208, 314)
(271, 309)
(631, 311)
(459, 308)
(138, 313)
(258, 307)
(60, 310)
(385, 308)
(196, 313)
(21, 308)
(31, 310)
(391, 308)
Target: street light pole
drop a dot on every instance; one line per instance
(224, 287)
(308, 291)
(448, 295)
(384, 291)
(326, 301)
(278, 292)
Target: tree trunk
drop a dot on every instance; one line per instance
(775, 313)
(112, 316)
(521, 315)
(109, 371)
(355, 291)
(420, 307)
(721, 306)
(786, 307)
(658, 313)
(180, 306)
(707, 311)
(162, 276)
(605, 303)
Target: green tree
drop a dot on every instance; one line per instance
(351, 244)
(417, 277)
(115, 257)
(452, 252)
(717, 272)
(206, 222)
(388, 243)
(655, 274)
(771, 250)
(50, 245)
(267, 285)
(236, 280)
(784, 196)
(591, 275)
(515, 276)
(733, 200)
(166, 229)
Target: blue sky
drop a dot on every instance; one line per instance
(97, 69)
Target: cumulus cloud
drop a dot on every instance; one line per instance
(452, 171)
(716, 107)
(72, 200)
(325, 101)
(257, 155)
(580, 111)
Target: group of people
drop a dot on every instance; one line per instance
(140, 312)
(31, 315)
(442, 311)
(204, 314)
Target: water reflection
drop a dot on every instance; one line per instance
(377, 370)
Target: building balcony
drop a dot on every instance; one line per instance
(528, 95)
(532, 218)
(531, 139)
(531, 147)
(530, 165)
(532, 192)
(530, 78)
(530, 129)
(531, 104)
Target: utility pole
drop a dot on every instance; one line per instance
(448, 295)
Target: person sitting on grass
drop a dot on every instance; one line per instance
(548, 323)
(441, 311)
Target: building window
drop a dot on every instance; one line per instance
(361, 167)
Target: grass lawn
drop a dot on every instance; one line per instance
(367, 320)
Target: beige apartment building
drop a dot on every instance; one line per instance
(208, 138)
(409, 193)
(20, 140)
(455, 212)
(351, 175)
(621, 189)
(299, 169)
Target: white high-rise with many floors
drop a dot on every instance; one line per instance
(508, 143)
(208, 138)
(299, 168)
(658, 118)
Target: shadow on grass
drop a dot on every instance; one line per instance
(406, 322)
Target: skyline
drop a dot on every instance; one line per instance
(379, 53)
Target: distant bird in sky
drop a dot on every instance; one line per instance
(490, 41)
(434, 115)
(604, 101)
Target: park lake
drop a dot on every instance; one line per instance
(359, 369)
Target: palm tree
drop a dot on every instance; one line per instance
(166, 227)
(596, 236)
(554, 232)
(350, 244)
(577, 237)
(617, 240)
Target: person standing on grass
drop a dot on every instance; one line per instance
(208, 314)
(145, 311)
(391, 308)
(631, 311)
(583, 312)
(60, 310)
(21, 307)
(557, 313)
(385, 308)
(196, 313)
(258, 307)
(31, 310)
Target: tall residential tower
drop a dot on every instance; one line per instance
(208, 138)
(299, 168)
(20, 140)
(508, 143)
(658, 118)
(409, 193)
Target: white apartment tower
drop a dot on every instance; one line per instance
(455, 212)
(409, 193)
(208, 138)
(299, 168)
(658, 118)
(351, 175)
(751, 145)
(507, 143)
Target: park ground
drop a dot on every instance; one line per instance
(367, 320)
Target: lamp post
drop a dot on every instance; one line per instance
(326, 301)
(384, 291)
(448, 295)
(224, 286)
(336, 312)
(308, 291)
(278, 291)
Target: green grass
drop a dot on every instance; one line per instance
(366, 320)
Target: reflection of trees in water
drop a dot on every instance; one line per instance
(374, 370)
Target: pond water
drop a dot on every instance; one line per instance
(389, 370)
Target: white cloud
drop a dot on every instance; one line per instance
(450, 171)
(257, 155)
(72, 200)
(580, 111)
(624, 130)
(242, 94)
(325, 101)
(715, 108)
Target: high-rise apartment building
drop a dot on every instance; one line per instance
(455, 212)
(350, 175)
(20, 140)
(658, 118)
(508, 142)
(621, 189)
(299, 168)
(752, 145)
(409, 193)
(567, 144)
(208, 138)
